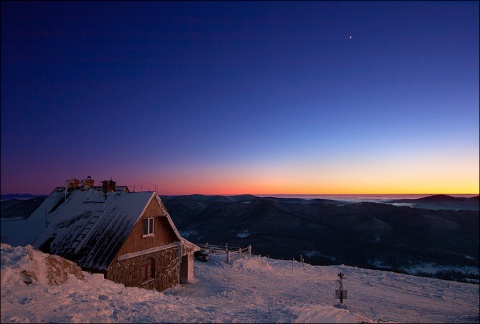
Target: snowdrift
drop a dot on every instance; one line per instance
(27, 266)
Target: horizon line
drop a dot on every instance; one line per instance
(276, 194)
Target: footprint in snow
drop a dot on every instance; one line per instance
(25, 300)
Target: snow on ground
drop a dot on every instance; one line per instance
(251, 289)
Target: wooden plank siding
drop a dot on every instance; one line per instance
(163, 233)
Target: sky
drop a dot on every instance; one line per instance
(241, 97)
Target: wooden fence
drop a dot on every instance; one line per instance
(231, 251)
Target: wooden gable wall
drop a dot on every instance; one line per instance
(163, 232)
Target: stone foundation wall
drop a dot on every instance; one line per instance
(166, 270)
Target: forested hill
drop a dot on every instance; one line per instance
(370, 235)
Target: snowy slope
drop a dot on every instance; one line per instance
(25, 231)
(252, 289)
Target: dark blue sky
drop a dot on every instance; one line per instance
(242, 97)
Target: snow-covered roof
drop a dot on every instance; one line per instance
(91, 226)
(188, 247)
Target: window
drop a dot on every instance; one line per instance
(148, 270)
(147, 226)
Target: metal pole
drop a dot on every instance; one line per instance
(341, 287)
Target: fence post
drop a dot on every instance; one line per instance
(240, 251)
(226, 247)
(249, 250)
(228, 256)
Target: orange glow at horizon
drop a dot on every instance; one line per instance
(315, 176)
(275, 190)
(265, 185)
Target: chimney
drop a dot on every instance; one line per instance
(108, 185)
(87, 182)
(72, 184)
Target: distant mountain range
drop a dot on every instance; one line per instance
(447, 198)
(324, 232)
(23, 196)
(441, 202)
(22, 206)
(444, 230)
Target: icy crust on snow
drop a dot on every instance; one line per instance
(248, 290)
(93, 224)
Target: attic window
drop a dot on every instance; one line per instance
(147, 226)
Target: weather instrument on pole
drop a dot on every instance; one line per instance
(340, 293)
